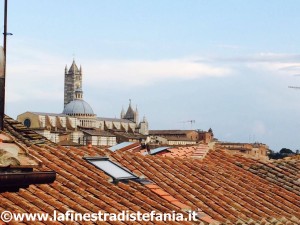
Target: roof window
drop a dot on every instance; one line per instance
(112, 169)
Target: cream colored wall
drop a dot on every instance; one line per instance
(34, 119)
(117, 125)
(99, 124)
(144, 128)
(125, 126)
(101, 141)
(181, 142)
(76, 135)
(109, 124)
(161, 140)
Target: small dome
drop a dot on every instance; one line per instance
(78, 107)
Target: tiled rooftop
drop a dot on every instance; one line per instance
(17, 164)
(129, 135)
(221, 187)
(96, 132)
(14, 155)
(169, 132)
(23, 134)
(81, 187)
(198, 151)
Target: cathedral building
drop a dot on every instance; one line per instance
(79, 125)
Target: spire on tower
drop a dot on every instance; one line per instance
(122, 113)
(136, 115)
(73, 67)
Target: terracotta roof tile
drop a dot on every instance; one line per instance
(198, 151)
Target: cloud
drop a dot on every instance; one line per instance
(272, 63)
(145, 72)
(263, 57)
(276, 68)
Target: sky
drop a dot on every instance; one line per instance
(225, 64)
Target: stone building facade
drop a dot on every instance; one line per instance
(251, 150)
(180, 137)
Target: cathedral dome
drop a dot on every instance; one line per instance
(78, 107)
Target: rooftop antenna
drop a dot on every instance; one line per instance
(3, 69)
(189, 121)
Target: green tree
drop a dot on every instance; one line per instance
(286, 151)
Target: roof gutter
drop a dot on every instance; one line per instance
(10, 181)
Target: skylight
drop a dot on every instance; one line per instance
(110, 168)
(119, 146)
(159, 149)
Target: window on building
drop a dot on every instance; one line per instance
(27, 122)
(111, 168)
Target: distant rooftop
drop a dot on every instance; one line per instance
(169, 132)
(50, 114)
(102, 133)
(113, 119)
